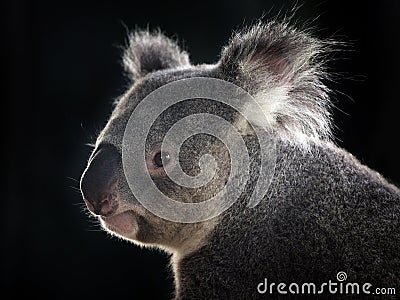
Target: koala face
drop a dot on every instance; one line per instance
(273, 62)
(104, 185)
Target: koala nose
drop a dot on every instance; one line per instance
(99, 181)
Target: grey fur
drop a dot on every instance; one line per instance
(324, 212)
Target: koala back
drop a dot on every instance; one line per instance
(324, 213)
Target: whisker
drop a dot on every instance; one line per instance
(75, 189)
(73, 179)
(91, 145)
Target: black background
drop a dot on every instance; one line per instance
(61, 73)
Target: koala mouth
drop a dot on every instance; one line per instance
(123, 224)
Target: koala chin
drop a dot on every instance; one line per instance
(323, 213)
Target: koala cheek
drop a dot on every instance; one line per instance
(123, 224)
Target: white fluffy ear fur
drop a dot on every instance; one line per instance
(148, 52)
(282, 68)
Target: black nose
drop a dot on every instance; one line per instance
(99, 181)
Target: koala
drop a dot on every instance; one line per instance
(323, 213)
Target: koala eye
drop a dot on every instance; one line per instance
(161, 159)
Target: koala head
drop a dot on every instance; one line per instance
(279, 66)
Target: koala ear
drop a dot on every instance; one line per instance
(282, 68)
(148, 52)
